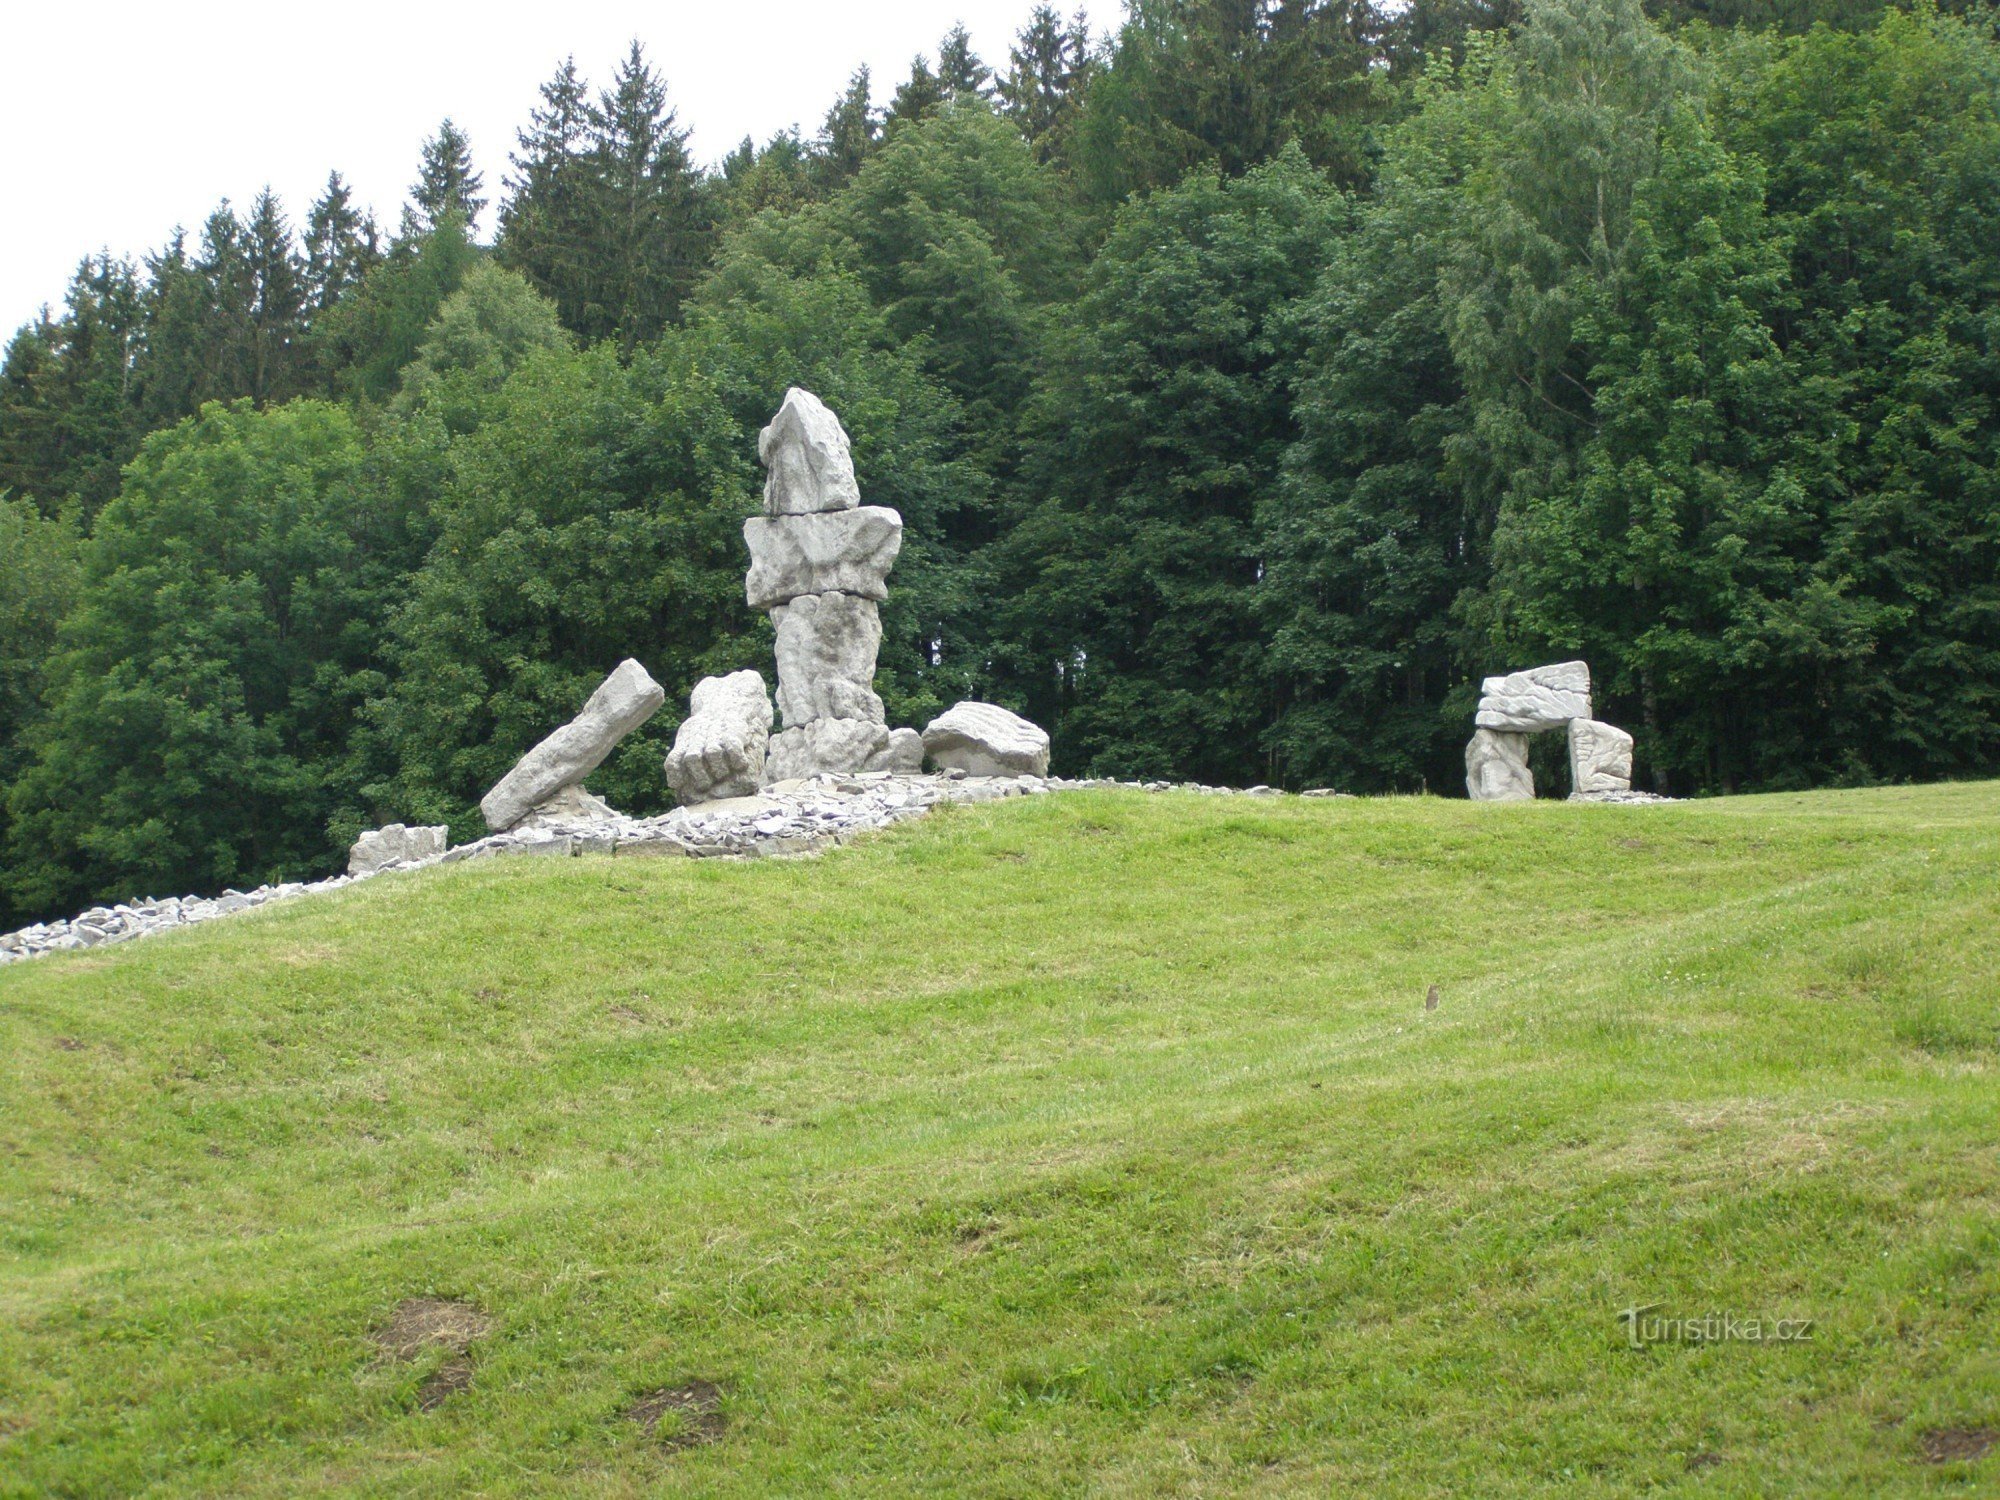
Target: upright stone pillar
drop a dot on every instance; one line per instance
(819, 562)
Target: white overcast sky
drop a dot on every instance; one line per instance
(129, 119)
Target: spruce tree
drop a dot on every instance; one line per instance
(920, 94)
(960, 73)
(341, 245)
(849, 135)
(648, 242)
(447, 184)
(277, 303)
(549, 218)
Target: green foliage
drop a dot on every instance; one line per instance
(595, 515)
(203, 692)
(1127, 592)
(377, 329)
(447, 187)
(481, 333)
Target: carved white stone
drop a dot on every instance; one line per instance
(1540, 698)
(1600, 758)
(844, 551)
(983, 739)
(622, 702)
(810, 466)
(395, 844)
(720, 749)
(826, 658)
(1496, 767)
(833, 745)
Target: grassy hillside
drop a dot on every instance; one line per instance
(1095, 1144)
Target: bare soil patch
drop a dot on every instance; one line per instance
(1945, 1445)
(681, 1416)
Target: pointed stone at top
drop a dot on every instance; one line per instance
(805, 449)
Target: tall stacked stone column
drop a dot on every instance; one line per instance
(819, 563)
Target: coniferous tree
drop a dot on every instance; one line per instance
(447, 184)
(342, 245)
(1050, 66)
(648, 237)
(548, 223)
(960, 73)
(277, 305)
(849, 135)
(920, 94)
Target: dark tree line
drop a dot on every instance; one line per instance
(1253, 377)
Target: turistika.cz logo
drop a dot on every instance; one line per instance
(1646, 1326)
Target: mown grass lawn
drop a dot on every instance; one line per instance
(1097, 1144)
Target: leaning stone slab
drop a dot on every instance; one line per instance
(983, 739)
(811, 468)
(720, 748)
(846, 551)
(826, 658)
(1600, 758)
(1496, 767)
(825, 745)
(1540, 698)
(395, 844)
(622, 702)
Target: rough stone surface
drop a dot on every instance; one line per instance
(825, 745)
(569, 805)
(1600, 758)
(395, 844)
(826, 658)
(622, 702)
(805, 452)
(983, 739)
(903, 755)
(720, 748)
(846, 551)
(1539, 698)
(1496, 767)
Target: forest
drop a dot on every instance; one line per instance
(1252, 376)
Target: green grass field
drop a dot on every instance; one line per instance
(1094, 1144)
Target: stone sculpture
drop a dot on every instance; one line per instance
(1496, 767)
(1520, 704)
(720, 748)
(622, 702)
(819, 562)
(1600, 758)
(983, 739)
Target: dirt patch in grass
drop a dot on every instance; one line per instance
(1697, 1462)
(1947, 1445)
(681, 1416)
(68, 1044)
(447, 1380)
(421, 1324)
